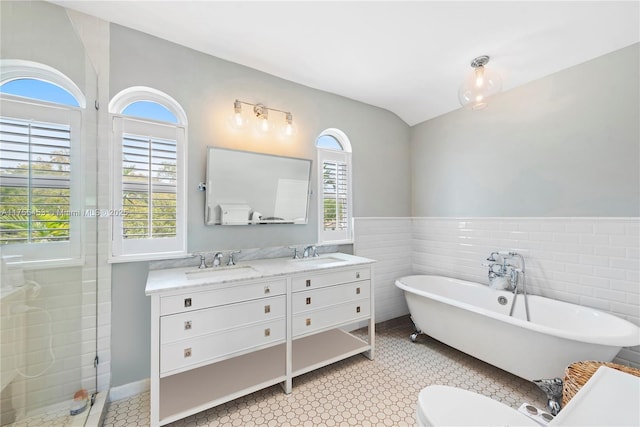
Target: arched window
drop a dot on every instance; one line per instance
(149, 184)
(40, 90)
(40, 165)
(335, 210)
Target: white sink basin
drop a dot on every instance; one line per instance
(219, 272)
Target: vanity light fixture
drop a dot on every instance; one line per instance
(480, 85)
(262, 123)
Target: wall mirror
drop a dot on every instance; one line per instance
(252, 188)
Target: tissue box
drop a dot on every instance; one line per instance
(234, 214)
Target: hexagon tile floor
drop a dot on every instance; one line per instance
(356, 391)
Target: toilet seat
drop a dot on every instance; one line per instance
(440, 405)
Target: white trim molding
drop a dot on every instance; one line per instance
(15, 69)
(128, 96)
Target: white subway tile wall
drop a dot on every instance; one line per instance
(388, 241)
(593, 262)
(61, 320)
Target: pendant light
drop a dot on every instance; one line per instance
(480, 85)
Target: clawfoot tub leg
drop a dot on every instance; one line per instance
(553, 389)
(414, 336)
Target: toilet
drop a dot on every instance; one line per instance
(593, 405)
(440, 405)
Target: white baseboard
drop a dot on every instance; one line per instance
(129, 390)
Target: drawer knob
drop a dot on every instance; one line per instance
(187, 352)
(308, 300)
(267, 309)
(267, 332)
(187, 325)
(187, 302)
(308, 283)
(357, 291)
(357, 274)
(308, 322)
(267, 290)
(358, 309)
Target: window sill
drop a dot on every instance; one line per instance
(336, 242)
(47, 263)
(146, 257)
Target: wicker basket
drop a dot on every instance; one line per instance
(577, 374)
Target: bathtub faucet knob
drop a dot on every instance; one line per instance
(492, 257)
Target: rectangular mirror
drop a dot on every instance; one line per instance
(253, 188)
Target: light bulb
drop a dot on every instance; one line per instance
(479, 77)
(263, 125)
(238, 119)
(288, 129)
(479, 85)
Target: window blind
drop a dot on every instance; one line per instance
(35, 175)
(149, 187)
(335, 195)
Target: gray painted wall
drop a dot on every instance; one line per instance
(564, 145)
(42, 32)
(206, 87)
(130, 324)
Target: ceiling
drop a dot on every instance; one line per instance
(406, 57)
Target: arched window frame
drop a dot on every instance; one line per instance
(17, 69)
(28, 109)
(150, 248)
(342, 234)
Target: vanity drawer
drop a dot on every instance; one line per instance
(215, 297)
(304, 323)
(180, 355)
(315, 280)
(201, 322)
(330, 295)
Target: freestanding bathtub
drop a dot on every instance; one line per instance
(469, 317)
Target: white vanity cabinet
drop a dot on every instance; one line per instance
(322, 303)
(216, 340)
(214, 343)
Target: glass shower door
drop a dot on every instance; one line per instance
(48, 226)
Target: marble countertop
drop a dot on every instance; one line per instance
(189, 278)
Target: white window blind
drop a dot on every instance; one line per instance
(35, 177)
(149, 187)
(335, 196)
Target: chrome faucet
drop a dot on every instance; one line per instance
(310, 250)
(231, 261)
(217, 258)
(504, 271)
(511, 273)
(203, 258)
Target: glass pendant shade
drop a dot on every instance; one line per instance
(288, 128)
(479, 85)
(238, 120)
(262, 123)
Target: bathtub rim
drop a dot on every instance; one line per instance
(629, 339)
